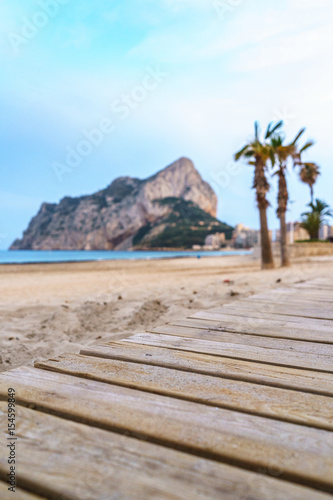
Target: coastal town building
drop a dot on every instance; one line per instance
(244, 237)
(215, 240)
(325, 232)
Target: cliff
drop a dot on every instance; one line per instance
(128, 209)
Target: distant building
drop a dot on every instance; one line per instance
(215, 240)
(244, 237)
(325, 232)
(296, 233)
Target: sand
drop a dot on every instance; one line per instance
(50, 309)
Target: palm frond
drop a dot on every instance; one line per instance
(301, 132)
(256, 130)
(240, 153)
(306, 146)
(270, 131)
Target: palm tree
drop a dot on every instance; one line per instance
(258, 153)
(282, 154)
(309, 173)
(312, 221)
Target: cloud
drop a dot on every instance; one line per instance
(250, 28)
(282, 50)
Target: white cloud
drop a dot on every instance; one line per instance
(287, 49)
(285, 27)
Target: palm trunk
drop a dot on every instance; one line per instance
(281, 213)
(267, 261)
(285, 262)
(261, 186)
(311, 191)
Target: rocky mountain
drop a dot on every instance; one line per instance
(128, 212)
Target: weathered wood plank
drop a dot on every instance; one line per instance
(254, 326)
(251, 353)
(18, 494)
(303, 311)
(313, 296)
(297, 453)
(275, 376)
(248, 320)
(290, 300)
(101, 465)
(327, 279)
(314, 286)
(291, 406)
(245, 339)
(242, 308)
(293, 304)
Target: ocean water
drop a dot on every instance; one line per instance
(39, 256)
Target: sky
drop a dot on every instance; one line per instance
(95, 90)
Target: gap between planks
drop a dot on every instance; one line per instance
(313, 362)
(277, 308)
(273, 330)
(248, 371)
(286, 345)
(248, 319)
(21, 494)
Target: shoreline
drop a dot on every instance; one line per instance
(187, 254)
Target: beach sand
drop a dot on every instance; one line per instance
(50, 309)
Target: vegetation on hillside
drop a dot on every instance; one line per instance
(185, 225)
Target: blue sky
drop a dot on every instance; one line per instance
(68, 65)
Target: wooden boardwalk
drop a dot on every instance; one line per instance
(233, 403)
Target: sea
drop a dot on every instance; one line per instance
(48, 256)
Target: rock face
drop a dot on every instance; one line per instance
(111, 218)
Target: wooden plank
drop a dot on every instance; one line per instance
(299, 290)
(316, 362)
(313, 296)
(291, 406)
(327, 279)
(247, 320)
(255, 326)
(245, 339)
(296, 452)
(247, 310)
(284, 309)
(234, 369)
(304, 311)
(314, 286)
(290, 300)
(19, 493)
(102, 465)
